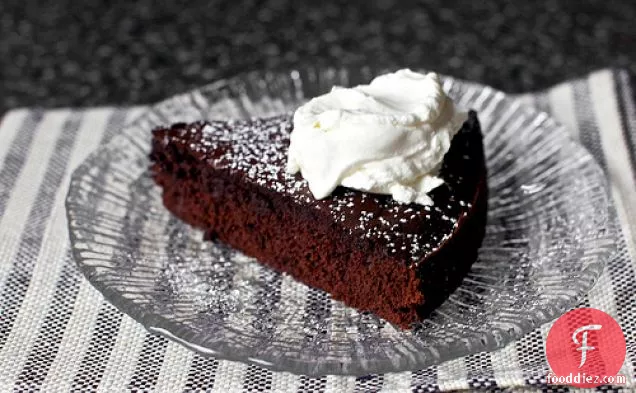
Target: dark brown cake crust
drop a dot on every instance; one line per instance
(398, 261)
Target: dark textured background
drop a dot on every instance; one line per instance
(62, 53)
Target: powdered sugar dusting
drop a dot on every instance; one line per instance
(257, 149)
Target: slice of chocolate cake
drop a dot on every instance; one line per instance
(397, 260)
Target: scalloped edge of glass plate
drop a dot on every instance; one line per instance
(497, 338)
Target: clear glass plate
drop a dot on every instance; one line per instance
(550, 232)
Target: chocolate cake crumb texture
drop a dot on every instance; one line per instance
(399, 261)
(258, 150)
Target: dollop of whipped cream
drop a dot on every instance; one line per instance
(387, 137)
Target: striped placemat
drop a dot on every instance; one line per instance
(58, 334)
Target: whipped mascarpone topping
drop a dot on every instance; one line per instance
(387, 137)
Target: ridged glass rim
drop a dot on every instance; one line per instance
(281, 362)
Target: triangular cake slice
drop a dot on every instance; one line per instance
(398, 261)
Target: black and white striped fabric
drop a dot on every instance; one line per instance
(58, 334)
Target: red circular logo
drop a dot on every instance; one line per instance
(585, 348)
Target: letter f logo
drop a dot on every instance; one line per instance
(583, 343)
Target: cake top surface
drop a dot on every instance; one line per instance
(257, 150)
